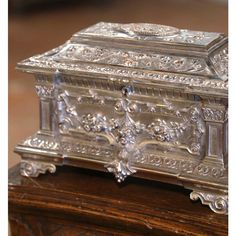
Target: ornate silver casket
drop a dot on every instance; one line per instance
(135, 99)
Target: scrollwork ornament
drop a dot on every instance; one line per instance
(44, 91)
(192, 81)
(34, 168)
(126, 133)
(38, 141)
(214, 114)
(133, 59)
(195, 147)
(220, 62)
(217, 203)
(181, 166)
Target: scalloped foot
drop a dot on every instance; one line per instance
(34, 168)
(217, 202)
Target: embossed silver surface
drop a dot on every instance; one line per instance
(135, 99)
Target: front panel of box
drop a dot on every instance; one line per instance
(128, 125)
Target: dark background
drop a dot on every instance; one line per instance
(39, 25)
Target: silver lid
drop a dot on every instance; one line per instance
(152, 52)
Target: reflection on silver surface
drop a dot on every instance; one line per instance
(135, 99)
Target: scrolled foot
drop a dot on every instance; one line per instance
(34, 168)
(217, 202)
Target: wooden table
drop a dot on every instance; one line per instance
(74, 202)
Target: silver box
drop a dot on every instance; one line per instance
(135, 99)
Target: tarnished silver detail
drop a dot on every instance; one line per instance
(34, 168)
(217, 202)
